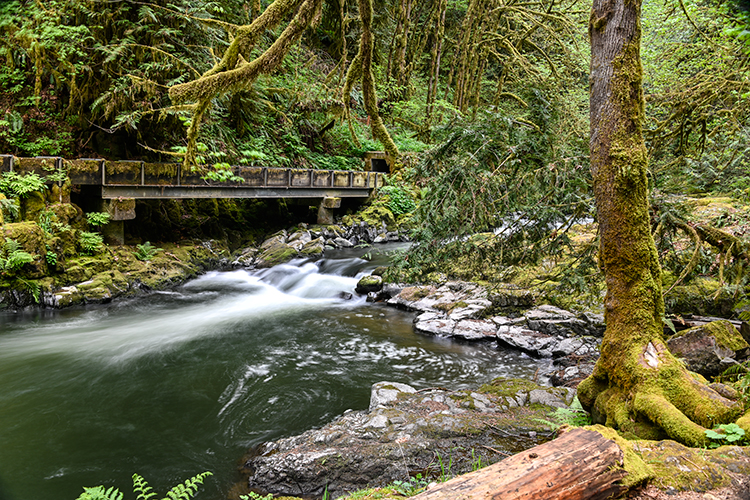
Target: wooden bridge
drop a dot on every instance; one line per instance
(123, 182)
(142, 180)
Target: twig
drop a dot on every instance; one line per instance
(496, 450)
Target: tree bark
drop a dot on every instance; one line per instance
(637, 385)
(368, 85)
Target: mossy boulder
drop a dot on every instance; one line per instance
(375, 216)
(68, 214)
(701, 296)
(31, 238)
(711, 348)
(676, 468)
(406, 430)
(314, 248)
(368, 284)
(275, 253)
(32, 205)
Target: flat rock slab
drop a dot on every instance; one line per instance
(409, 432)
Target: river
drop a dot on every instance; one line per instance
(176, 383)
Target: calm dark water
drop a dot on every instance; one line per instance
(177, 383)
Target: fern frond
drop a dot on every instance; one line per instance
(732, 373)
(99, 493)
(31, 286)
(186, 490)
(141, 486)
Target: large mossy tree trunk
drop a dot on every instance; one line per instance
(637, 385)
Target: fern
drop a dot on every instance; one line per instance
(187, 489)
(184, 491)
(141, 486)
(12, 258)
(99, 493)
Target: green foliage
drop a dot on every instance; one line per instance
(90, 243)
(100, 493)
(97, 219)
(739, 376)
(574, 415)
(413, 486)
(400, 202)
(697, 110)
(183, 491)
(11, 209)
(495, 194)
(50, 257)
(46, 220)
(726, 434)
(446, 468)
(12, 258)
(255, 496)
(14, 185)
(222, 172)
(146, 251)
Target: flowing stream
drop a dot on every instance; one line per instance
(176, 383)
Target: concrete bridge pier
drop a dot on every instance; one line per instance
(119, 210)
(325, 210)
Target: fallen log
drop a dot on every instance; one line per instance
(579, 465)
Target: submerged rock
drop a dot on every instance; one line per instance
(407, 432)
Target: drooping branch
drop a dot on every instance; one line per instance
(233, 72)
(368, 83)
(228, 75)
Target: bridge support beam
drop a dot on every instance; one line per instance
(325, 210)
(119, 210)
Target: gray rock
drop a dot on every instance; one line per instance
(442, 327)
(299, 239)
(579, 346)
(383, 393)
(475, 329)
(558, 397)
(378, 422)
(404, 433)
(342, 243)
(277, 239)
(534, 343)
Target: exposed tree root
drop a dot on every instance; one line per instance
(658, 398)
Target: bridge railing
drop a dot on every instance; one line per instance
(98, 172)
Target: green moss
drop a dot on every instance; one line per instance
(686, 469)
(32, 205)
(81, 166)
(123, 167)
(374, 215)
(508, 387)
(638, 470)
(277, 255)
(726, 335)
(414, 293)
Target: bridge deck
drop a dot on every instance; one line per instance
(137, 179)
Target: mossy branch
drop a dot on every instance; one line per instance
(223, 78)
